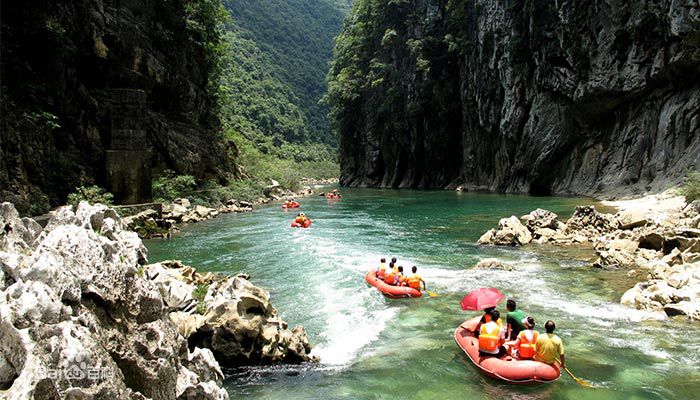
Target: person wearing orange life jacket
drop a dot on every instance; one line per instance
(399, 279)
(381, 269)
(390, 274)
(491, 335)
(486, 318)
(415, 280)
(524, 347)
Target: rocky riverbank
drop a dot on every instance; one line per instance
(83, 316)
(165, 220)
(656, 238)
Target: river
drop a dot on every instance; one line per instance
(375, 348)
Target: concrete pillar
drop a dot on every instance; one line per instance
(128, 158)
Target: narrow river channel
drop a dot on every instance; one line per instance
(375, 348)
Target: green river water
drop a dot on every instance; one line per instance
(375, 348)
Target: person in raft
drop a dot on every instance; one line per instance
(381, 269)
(524, 346)
(399, 279)
(390, 273)
(549, 347)
(415, 280)
(514, 320)
(335, 193)
(492, 336)
(301, 218)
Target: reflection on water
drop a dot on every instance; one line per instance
(372, 347)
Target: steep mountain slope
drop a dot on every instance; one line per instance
(520, 96)
(60, 64)
(287, 44)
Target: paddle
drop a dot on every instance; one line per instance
(578, 380)
(430, 294)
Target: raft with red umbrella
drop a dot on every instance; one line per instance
(506, 368)
(391, 291)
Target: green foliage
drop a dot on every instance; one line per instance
(198, 294)
(207, 22)
(171, 186)
(691, 186)
(271, 81)
(91, 194)
(286, 46)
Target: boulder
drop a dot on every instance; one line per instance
(511, 232)
(540, 218)
(183, 202)
(630, 219)
(586, 218)
(486, 237)
(613, 259)
(492, 263)
(78, 321)
(675, 257)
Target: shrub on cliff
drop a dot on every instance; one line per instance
(691, 186)
(170, 186)
(91, 194)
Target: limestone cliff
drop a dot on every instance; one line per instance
(561, 97)
(61, 64)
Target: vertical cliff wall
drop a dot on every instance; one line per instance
(566, 97)
(60, 62)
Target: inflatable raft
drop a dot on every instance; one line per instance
(291, 205)
(391, 291)
(506, 368)
(328, 196)
(306, 224)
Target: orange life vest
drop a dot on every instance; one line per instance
(527, 347)
(413, 281)
(489, 337)
(389, 277)
(381, 270)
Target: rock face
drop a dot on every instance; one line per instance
(510, 232)
(82, 317)
(228, 315)
(666, 247)
(60, 62)
(79, 321)
(594, 98)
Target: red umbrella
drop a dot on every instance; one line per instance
(481, 298)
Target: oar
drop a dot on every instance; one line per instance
(430, 294)
(578, 380)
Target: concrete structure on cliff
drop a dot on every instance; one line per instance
(128, 167)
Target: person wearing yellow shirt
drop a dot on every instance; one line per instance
(549, 347)
(381, 269)
(415, 280)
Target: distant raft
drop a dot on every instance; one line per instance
(305, 224)
(506, 368)
(333, 196)
(291, 204)
(391, 291)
